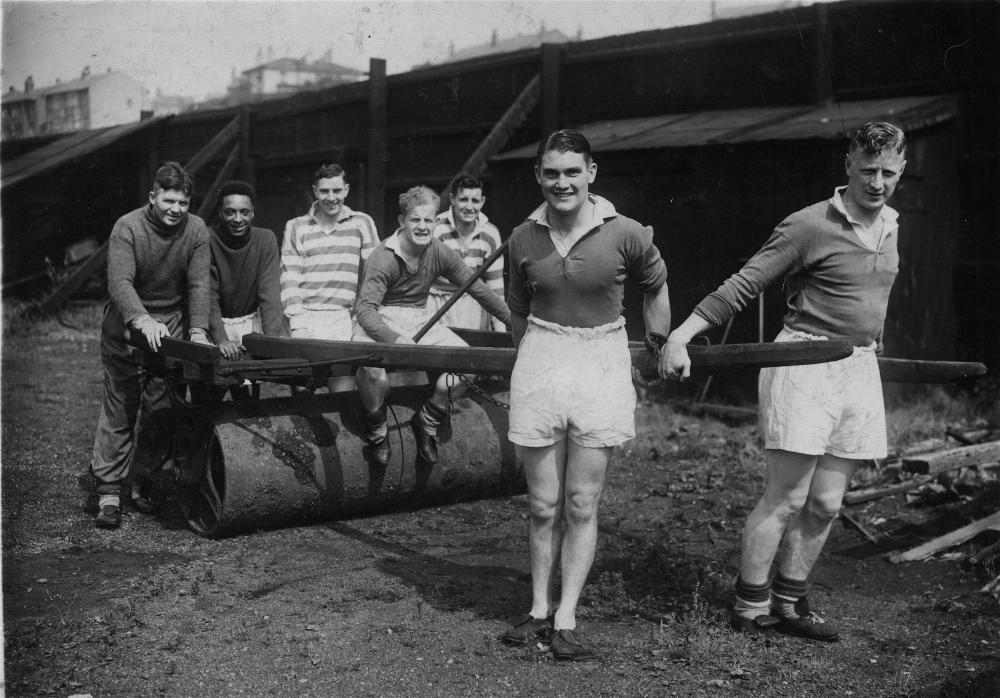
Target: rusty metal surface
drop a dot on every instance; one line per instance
(290, 461)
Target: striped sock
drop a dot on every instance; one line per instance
(108, 499)
(752, 600)
(785, 594)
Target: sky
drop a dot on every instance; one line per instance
(192, 47)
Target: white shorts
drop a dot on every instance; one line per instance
(465, 313)
(834, 407)
(236, 327)
(572, 382)
(407, 321)
(335, 324)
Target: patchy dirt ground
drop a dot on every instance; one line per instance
(410, 604)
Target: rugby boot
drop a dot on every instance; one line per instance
(378, 436)
(110, 516)
(425, 424)
(808, 624)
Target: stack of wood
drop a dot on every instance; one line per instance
(927, 465)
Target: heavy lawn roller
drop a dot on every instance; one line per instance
(298, 457)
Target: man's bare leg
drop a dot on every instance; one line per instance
(585, 473)
(545, 472)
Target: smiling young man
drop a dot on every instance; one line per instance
(158, 283)
(392, 307)
(246, 270)
(466, 229)
(321, 258)
(571, 396)
(838, 260)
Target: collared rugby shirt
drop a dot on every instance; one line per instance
(320, 269)
(483, 242)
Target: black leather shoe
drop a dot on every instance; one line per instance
(566, 647)
(381, 452)
(527, 630)
(110, 516)
(763, 626)
(144, 505)
(426, 444)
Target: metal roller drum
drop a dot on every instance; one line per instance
(287, 461)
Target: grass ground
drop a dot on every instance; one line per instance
(411, 603)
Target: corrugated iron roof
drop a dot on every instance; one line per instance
(831, 122)
(56, 153)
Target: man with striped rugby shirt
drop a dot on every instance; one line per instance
(321, 258)
(466, 229)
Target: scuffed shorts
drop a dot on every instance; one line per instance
(465, 313)
(407, 321)
(572, 382)
(335, 324)
(834, 407)
(236, 327)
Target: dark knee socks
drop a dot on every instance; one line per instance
(752, 600)
(786, 593)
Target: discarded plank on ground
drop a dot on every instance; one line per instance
(969, 436)
(866, 495)
(986, 553)
(992, 587)
(944, 542)
(859, 526)
(941, 461)
(726, 413)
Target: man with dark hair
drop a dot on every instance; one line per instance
(158, 281)
(321, 259)
(246, 287)
(838, 260)
(571, 395)
(392, 307)
(466, 229)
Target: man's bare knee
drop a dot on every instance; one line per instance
(581, 507)
(824, 507)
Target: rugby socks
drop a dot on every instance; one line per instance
(752, 600)
(108, 500)
(786, 593)
(431, 416)
(376, 424)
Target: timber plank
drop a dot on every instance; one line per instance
(916, 371)
(941, 461)
(949, 540)
(501, 360)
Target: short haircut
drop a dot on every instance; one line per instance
(418, 196)
(876, 136)
(564, 141)
(171, 175)
(238, 187)
(466, 181)
(329, 171)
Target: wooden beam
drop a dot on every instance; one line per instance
(985, 554)
(377, 143)
(550, 87)
(822, 43)
(246, 168)
(511, 120)
(916, 371)
(226, 173)
(942, 461)
(922, 552)
(859, 496)
(501, 360)
(219, 141)
(93, 266)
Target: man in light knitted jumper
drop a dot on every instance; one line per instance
(838, 260)
(572, 400)
(322, 255)
(392, 307)
(246, 270)
(158, 281)
(466, 229)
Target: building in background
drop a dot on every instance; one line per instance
(514, 43)
(90, 101)
(284, 76)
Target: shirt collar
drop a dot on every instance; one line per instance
(604, 211)
(888, 214)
